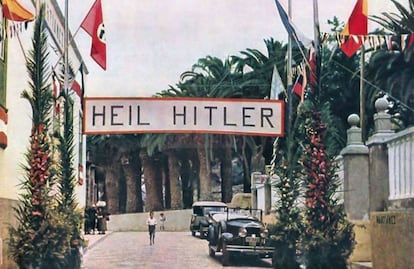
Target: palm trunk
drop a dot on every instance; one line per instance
(205, 174)
(133, 186)
(174, 178)
(226, 170)
(246, 180)
(153, 183)
(110, 162)
(187, 179)
(166, 182)
(112, 190)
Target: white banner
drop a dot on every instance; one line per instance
(183, 115)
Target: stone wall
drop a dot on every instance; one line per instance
(362, 250)
(177, 220)
(6, 219)
(392, 240)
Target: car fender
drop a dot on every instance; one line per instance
(223, 226)
(212, 237)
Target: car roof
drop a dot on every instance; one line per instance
(224, 216)
(209, 203)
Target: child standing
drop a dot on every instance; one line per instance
(162, 221)
(151, 222)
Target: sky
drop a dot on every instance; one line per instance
(151, 42)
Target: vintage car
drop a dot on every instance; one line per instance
(238, 231)
(201, 209)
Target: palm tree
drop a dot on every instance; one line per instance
(41, 238)
(257, 68)
(391, 71)
(152, 147)
(131, 168)
(67, 203)
(210, 77)
(116, 154)
(153, 180)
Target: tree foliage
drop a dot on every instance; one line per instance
(66, 198)
(329, 239)
(41, 238)
(391, 71)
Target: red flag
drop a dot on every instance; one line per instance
(56, 92)
(358, 21)
(300, 85)
(411, 40)
(313, 79)
(357, 25)
(94, 26)
(352, 45)
(12, 10)
(3, 130)
(77, 88)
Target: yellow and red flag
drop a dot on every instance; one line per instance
(14, 11)
(356, 28)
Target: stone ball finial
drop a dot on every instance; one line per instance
(353, 120)
(381, 104)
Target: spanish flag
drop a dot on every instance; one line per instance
(358, 21)
(12, 10)
(356, 28)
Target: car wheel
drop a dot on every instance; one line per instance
(225, 258)
(211, 252)
(202, 235)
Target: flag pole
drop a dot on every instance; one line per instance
(65, 48)
(69, 42)
(362, 94)
(289, 73)
(316, 37)
(316, 25)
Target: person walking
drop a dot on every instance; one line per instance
(151, 222)
(163, 218)
(101, 219)
(90, 219)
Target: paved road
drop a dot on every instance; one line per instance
(172, 250)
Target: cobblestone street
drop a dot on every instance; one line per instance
(131, 250)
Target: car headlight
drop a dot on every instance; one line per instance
(264, 233)
(242, 232)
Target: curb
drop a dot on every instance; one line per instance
(94, 241)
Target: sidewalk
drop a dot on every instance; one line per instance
(92, 239)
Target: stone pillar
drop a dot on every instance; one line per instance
(378, 156)
(356, 177)
(255, 178)
(268, 196)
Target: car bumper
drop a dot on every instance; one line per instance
(204, 229)
(251, 250)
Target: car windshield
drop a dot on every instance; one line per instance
(246, 212)
(213, 208)
(204, 210)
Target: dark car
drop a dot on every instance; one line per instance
(201, 209)
(238, 231)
